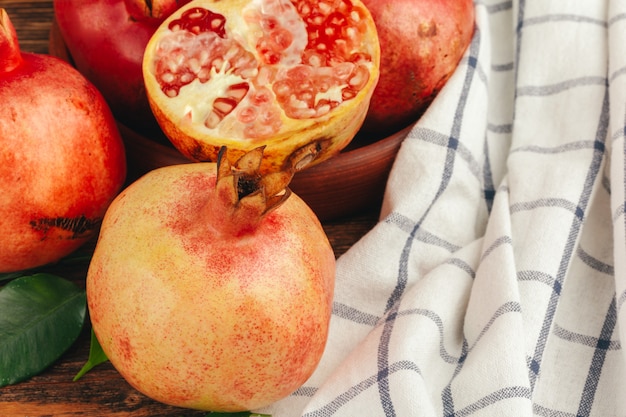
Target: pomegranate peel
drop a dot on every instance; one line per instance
(106, 40)
(422, 42)
(62, 160)
(245, 73)
(210, 288)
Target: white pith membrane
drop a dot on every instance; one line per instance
(231, 90)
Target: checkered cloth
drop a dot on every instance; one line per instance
(494, 283)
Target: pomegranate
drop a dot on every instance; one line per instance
(62, 159)
(106, 39)
(286, 74)
(210, 287)
(421, 43)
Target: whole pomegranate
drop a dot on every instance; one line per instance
(106, 39)
(62, 160)
(421, 44)
(211, 287)
(286, 74)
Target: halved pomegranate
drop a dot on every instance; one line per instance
(289, 75)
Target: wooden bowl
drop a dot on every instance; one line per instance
(349, 183)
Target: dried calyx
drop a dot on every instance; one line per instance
(244, 195)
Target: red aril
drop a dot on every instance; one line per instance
(61, 157)
(211, 287)
(284, 74)
(106, 40)
(421, 43)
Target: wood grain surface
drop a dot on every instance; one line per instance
(103, 392)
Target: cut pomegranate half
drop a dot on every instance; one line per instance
(244, 73)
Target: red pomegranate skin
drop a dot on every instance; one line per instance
(421, 44)
(62, 161)
(106, 44)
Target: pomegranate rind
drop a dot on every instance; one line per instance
(200, 319)
(62, 161)
(330, 132)
(420, 50)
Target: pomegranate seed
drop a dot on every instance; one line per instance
(212, 120)
(247, 114)
(197, 20)
(325, 8)
(359, 78)
(281, 38)
(204, 75)
(222, 106)
(322, 110)
(261, 97)
(238, 91)
(167, 78)
(187, 77)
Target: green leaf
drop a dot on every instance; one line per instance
(96, 357)
(41, 316)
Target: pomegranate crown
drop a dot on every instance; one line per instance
(152, 10)
(10, 55)
(244, 184)
(245, 195)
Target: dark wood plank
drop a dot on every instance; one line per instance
(32, 21)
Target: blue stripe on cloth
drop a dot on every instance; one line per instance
(546, 90)
(547, 202)
(508, 307)
(537, 276)
(574, 18)
(489, 188)
(440, 139)
(566, 147)
(447, 400)
(464, 266)
(568, 251)
(549, 412)
(393, 301)
(343, 398)
(616, 18)
(507, 128)
(492, 398)
(585, 340)
(617, 73)
(502, 240)
(599, 355)
(354, 315)
(621, 300)
(435, 318)
(595, 263)
(518, 46)
(498, 7)
(422, 235)
(446, 395)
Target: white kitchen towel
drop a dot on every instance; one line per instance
(494, 283)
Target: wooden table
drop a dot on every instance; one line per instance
(103, 392)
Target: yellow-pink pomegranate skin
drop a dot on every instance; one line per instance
(197, 312)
